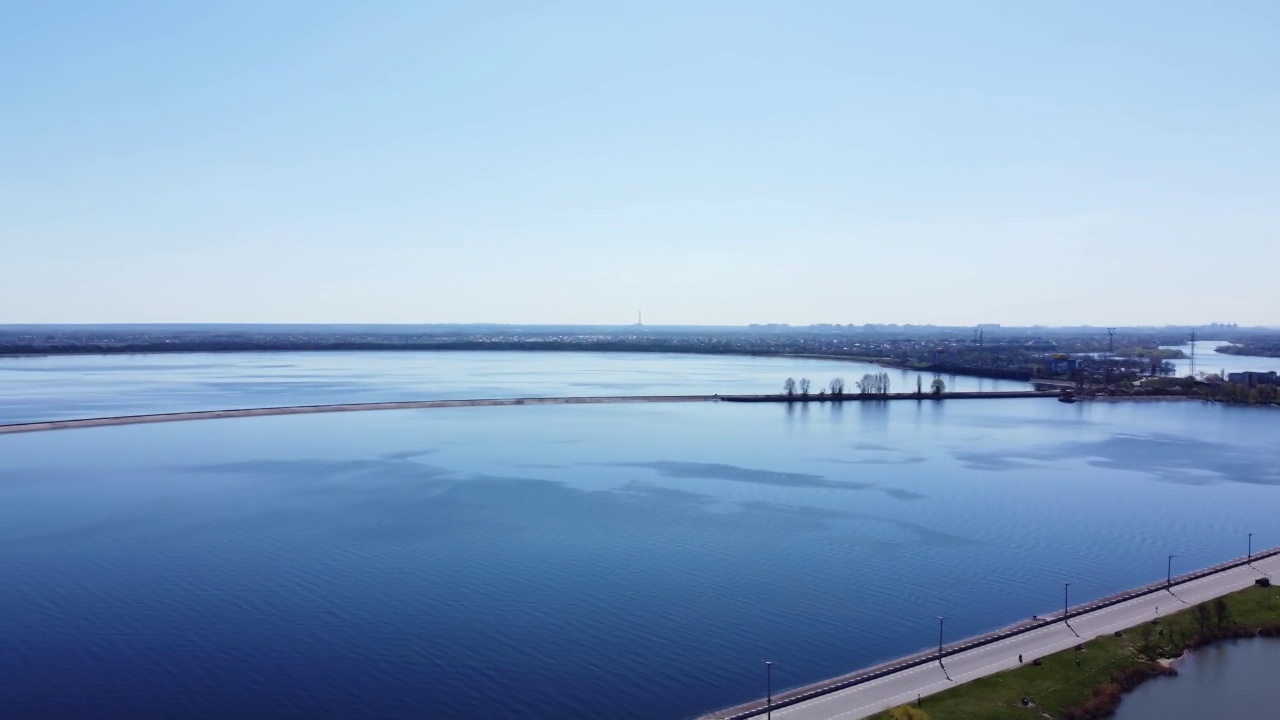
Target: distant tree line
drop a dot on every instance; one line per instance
(874, 384)
(871, 384)
(1264, 348)
(1209, 387)
(791, 387)
(1238, 393)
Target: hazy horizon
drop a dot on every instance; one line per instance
(714, 164)
(966, 328)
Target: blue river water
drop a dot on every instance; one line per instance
(58, 387)
(623, 561)
(1209, 361)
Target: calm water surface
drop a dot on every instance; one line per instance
(1227, 680)
(632, 561)
(1208, 361)
(50, 388)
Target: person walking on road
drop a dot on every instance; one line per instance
(1019, 658)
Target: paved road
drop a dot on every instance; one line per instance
(902, 687)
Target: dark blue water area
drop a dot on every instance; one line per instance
(62, 387)
(633, 561)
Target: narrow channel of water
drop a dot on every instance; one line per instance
(1235, 679)
(1210, 361)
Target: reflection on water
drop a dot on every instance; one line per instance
(1171, 458)
(1235, 679)
(627, 561)
(719, 471)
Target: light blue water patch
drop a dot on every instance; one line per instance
(62, 387)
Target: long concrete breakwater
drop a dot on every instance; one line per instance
(892, 670)
(482, 402)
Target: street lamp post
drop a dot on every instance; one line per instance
(1066, 606)
(768, 689)
(941, 620)
(1249, 557)
(1168, 580)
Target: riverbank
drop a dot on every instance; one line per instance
(1090, 680)
(1231, 679)
(492, 402)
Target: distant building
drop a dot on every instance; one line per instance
(1251, 378)
(1060, 364)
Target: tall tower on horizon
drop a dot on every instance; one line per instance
(639, 318)
(1193, 352)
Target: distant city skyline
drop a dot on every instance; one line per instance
(1203, 328)
(715, 163)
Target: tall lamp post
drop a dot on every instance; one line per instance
(1168, 579)
(941, 620)
(768, 689)
(1066, 606)
(1249, 557)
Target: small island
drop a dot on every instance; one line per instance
(1260, 348)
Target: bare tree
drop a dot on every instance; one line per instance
(877, 384)
(789, 387)
(837, 386)
(937, 387)
(804, 386)
(1221, 613)
(1204, 617)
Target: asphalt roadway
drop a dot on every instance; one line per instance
(924, 680)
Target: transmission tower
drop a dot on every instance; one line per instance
(1193, 352)
(1111, 341)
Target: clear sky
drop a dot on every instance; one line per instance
(1111, 163)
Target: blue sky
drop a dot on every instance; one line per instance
(708, 162)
